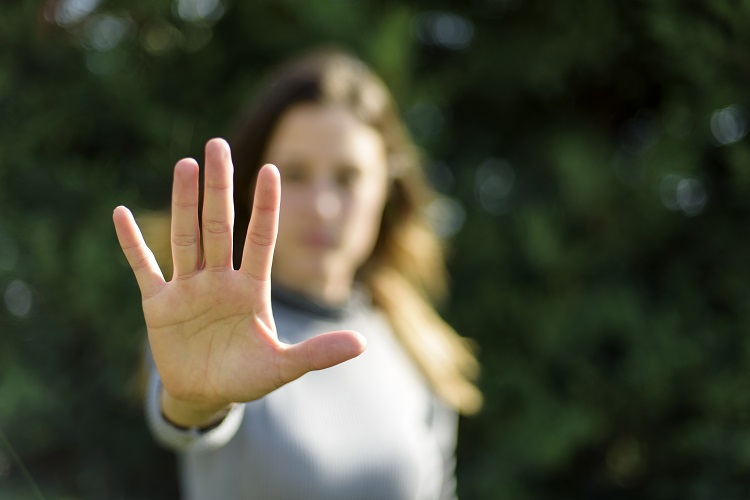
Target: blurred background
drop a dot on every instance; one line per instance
(594, 170)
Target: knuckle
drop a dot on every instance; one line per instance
(218, 186)
(185, 240)
(184, 204)
(217, 227)
(140, 263)
(259, 239)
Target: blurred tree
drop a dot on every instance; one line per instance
(593, 163)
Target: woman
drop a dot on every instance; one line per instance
(346, 248)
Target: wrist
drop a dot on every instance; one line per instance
(189, 414)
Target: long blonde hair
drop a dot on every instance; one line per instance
(406, 273)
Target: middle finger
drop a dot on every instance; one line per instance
(218, 206)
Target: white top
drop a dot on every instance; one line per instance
(368, 428)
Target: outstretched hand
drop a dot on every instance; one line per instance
(211, 327)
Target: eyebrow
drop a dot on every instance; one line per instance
(299, 160)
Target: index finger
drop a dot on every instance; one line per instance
(264, 223)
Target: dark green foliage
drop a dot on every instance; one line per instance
(596, 149)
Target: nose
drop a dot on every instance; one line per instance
(326, 202)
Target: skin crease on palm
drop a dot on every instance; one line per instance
(211, 328)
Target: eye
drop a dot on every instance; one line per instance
(293, 172)
(347, 177)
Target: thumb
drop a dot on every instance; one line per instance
(322, 351)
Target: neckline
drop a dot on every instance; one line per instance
(300, 301)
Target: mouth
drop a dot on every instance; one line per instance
(319, 240)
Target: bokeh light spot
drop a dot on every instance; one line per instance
(494, 180)
(160, 38)
(104, 32)
(199, 10)
(426, 120)
(443, 29)
(683, 193)
(729, 124)
(447, 216)
(18, 299)
(69, 12)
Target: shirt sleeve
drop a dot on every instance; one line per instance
(187, 440)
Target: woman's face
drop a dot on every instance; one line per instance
(334, 181)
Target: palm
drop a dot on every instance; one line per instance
(211, 328)
(209, 341)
